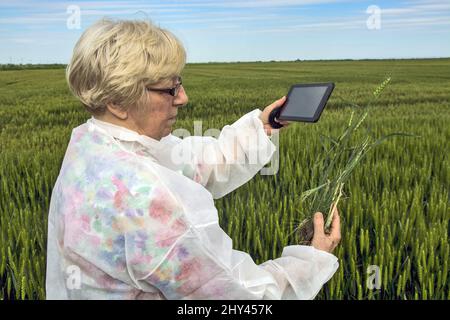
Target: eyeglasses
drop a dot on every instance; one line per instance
(172, 91)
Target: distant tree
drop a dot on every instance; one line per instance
(30, 66)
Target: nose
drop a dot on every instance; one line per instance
(181, 99)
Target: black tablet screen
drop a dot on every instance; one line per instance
(303, 101)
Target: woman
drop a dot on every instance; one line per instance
(132, 213)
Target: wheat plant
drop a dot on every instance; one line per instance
(334, 169)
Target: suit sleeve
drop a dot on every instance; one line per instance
(221, 165)
(129, 229)
(185, 260)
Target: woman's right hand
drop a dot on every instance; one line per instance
(264, 116)
(323, 241)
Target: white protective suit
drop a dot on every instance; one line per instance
(127, 221)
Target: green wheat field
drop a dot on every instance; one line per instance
(395, 213)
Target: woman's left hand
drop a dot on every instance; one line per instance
(264, 116)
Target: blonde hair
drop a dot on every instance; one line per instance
(113, 62)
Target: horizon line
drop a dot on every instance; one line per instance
(250, 61)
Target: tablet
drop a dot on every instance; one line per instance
(305, 102)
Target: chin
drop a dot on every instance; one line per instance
(166, 133)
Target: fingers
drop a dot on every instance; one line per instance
(335, 231)
(284, 123)
(327, 242)
(281, 100)
(318, 224)
(284, 126)
(278, 103)
(274, 105)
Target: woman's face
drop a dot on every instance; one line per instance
(162, 110)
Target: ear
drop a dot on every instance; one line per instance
(115, 110)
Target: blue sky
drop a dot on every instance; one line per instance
(244, 30)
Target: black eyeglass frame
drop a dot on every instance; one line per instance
(172, 91)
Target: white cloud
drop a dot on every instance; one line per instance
(196, 18)
(49, 5)
(397, 11)
(422, 9)
(417, 22)
(345, 24)
(215, 20)
(31, 20)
